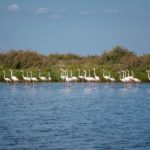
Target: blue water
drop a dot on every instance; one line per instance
(79, 117)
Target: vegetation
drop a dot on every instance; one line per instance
(113, 60)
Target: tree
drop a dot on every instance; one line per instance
(115, 55)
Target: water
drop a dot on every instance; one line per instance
(79, 117)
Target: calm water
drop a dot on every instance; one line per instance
(81, 117)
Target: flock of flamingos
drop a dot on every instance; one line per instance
(67, 76)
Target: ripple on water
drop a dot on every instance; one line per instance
(80, 116)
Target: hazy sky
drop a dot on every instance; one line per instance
(76, 26)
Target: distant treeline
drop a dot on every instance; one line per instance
(114, 60)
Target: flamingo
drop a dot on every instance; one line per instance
(89, 78)
(49, 77)
(135, 79)
(28, 78)
(14, 78)
(33, 78)
(6, 79)
(62, 74)
(42, 78)
(111, 79)
(85, 77)
(96, 77)
(131, 78)
(105, 77)
(92, 79)
(79, 76)
(121, 79)
(148, 71)
(125, 77)
(24, 78)
(74, 78)
(67, 78)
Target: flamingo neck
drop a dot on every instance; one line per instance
(31, 74)
(66, 73)
(94, 73)
(103, 73)
(71, 73)
(124, 74)
(84, 74)
(132, 74)
(11, 73)
(89, 73)
(22, 74)
(27, 74)
(120, 75)
(128, 73)
(79, 72)
(61, 74)
(4, 75)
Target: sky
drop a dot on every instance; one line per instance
(84, 27)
